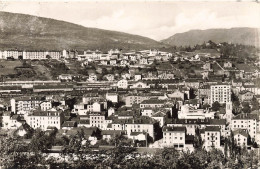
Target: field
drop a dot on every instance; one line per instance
(7, 67)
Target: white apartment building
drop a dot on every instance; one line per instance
(240, 137)
(45, 119)
(97, 120)
(220, 93)
(25, 104)
(247, 122)
(174, 137)
(211, 137)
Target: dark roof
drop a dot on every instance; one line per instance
(153, 101)
(136, 133)
(241, 132)
(112, 132)
(246, 116)
(69, 124)
(174, 129)
(212, 128)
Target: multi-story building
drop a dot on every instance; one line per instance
(174, 137)
(211, 137)
(25, 104)
(122, 84)
(45, 119)
(97, 120)
(34, 55)
(247, 122)
(220, 93)
(135, 99)
(152, 103)
(45, 105)
(240, 137)
(192, 112)
(113, 97)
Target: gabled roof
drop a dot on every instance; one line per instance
(241, 132)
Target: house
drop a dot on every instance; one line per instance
(207, 66)
(104, 62)
(108, 134)
(139, 85)
(138, 77)
(113, 62)
(45, 105)
(245, 95)
(126, 76)
(160, 116)
(109, 77)
(11, 120)
(92, 77)
(211, 137)
(124, 62)
(113, 97)
(23, 130)
(143, 61)
(174, 137)
(138, 136)
(227, 64)
(67, 125)
(176, 94)
(65, 77)
(123, 84)
(240, 137)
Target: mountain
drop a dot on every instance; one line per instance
(246, 36)
(37, 33)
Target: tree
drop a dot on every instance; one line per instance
(205, 106)
(255, 104)
(215, 106)
(198, 143)
(246, 108)
(167, 157)
(48, 57)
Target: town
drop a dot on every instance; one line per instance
(203, 97)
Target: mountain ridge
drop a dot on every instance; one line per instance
(239, 35)
(47, 33)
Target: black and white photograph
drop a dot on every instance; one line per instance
(109, 84)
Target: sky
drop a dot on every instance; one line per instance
(154, 19)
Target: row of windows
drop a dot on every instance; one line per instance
(175, 138)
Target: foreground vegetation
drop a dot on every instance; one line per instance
(78, 153)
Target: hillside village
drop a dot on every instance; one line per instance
(197, 97)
